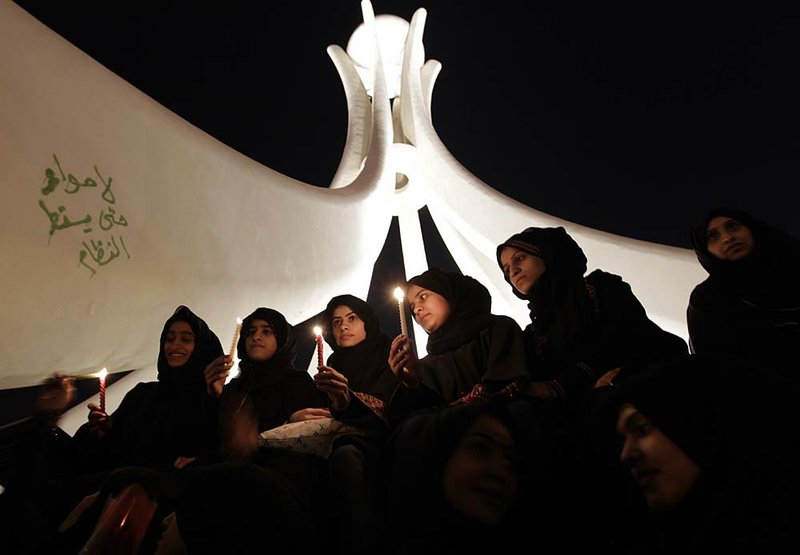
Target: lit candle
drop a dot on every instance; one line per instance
(236, 333)
(318, 333)
(398, 294)
(102, 376)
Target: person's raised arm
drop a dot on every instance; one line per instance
(215, 374)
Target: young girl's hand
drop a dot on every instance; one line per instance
(99, 421)
(335, 385)
(215, 374)
(310, 413)
(403, 361)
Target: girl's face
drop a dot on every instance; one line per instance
(480, 480)
(728, 239)
(260, 342)
(178, 344)
(664, 472)
(521, 268)
(430, 309)
(348, 327)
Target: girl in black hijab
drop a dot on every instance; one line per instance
(713, 447)
(158, 422)
(359, 384)
(585, 330)
(459, 483)
(470, 510)
(472, 354)
(269, 385)
(749, 307)
(357, 372)
(158, 429)
(582, 327)
(278, 487)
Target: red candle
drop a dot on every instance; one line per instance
(102, 376)
(318, 332)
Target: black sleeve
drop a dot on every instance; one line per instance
(495, 358)
(301, 393)
(712, 331)
(624, 337)
(504, 348)
(109, 451)
(35, 453)
(406, 401)
(199, 434)
(355, 412)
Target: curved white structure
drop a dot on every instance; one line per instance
(193, 221)
(115, 210)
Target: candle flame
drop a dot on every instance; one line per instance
(239, 321)
(103, 373)
(398, 294)
(317, 330)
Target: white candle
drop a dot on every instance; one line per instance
(398, 294)
(236, 333)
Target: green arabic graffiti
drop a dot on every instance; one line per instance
(101, 254)
(97, 251)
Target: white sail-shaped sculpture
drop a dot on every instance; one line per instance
(115, 210)
(192, 221)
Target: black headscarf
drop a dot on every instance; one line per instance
(420, 450)
(470, 308)
(767, 276)
(565, 260)
(736, 424)
(177, 422)
(287, 346)
(682, 398)
(364, 365)
(206, 348)
(275, 388)
(559, 303)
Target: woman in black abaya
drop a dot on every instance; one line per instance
(473, 355)
(279, 488)
(359, 384)
(749, 307)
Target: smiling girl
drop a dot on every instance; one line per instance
(157, 422)
(713, 448)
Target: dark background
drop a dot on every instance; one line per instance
(631, 120)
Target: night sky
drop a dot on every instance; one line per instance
(634, 121)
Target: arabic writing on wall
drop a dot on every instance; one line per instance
(98, 247)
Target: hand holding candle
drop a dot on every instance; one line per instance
(232, 353)
(102, 375)
(318, 333)
(398, 294)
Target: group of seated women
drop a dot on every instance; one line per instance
(592, 428)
